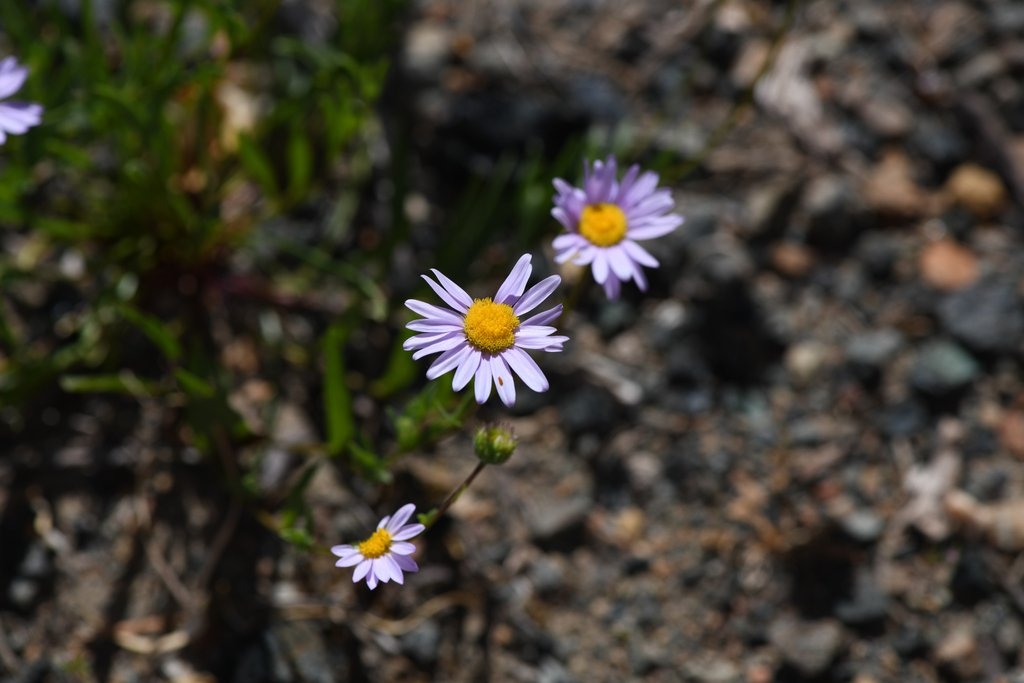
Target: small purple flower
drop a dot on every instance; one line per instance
(605, 218)
(15, 117)
(484, 339)
(385, 554)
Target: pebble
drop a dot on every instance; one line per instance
(558, 523)
(891, 189)
(1011, 432)
(806, 360)
(427, 48)
(987, 316)
(874, 348)
(792, 259)
(298, 652)
(552, 671)
(422, 643)
(978, 189)
(863, 525)
(1010, 637)
(948, 265)
(833, 208)
(768, 209)
(547, 575)
(939, 142)
(589, 410)
(887, 116)
(808, 646)
(942, 369)
(958, 653)
(867, 604)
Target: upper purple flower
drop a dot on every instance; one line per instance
(483, 339)
(15, 117)
(605, 218)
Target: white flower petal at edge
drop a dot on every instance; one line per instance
(485, 339)
(383, 556)
(604, 219)
(15, 117)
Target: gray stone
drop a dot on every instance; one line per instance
(874, 348)
(987, 316)
(423, 642)
(868, 604)
(942, 369)
(834, 210)
(863, 525)
(808, 646)
(558, 522)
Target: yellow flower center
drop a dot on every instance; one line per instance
(603, 224)
(490, 326)
(377, 545)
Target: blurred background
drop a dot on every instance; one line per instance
(798, 457)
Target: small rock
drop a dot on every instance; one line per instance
(948, 266)
(971, 581)
(616, 316)
(863, 525)
(980, 70)
(834, 212)
(23, 592)
(558, 523)
(875, 348)
(1001, 522)
(867, 605)
(552, 671)
(1010, 637)
(427, 48)
(422, 643)
(805, 360)
(902, 419)
(887, 116)
(987, 316)
(711, 669)
(792, 259)
(891, 189)
(547, 575)
(808, 646)
(768, 209)
(589, 410)
(940, 143)
(978, 189)
(958, 653)
(1011, 432)
(942, 369)
(298, 652)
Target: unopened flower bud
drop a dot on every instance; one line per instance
(494, 444)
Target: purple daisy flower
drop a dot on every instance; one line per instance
(15, 117)
(385, 554)
(484, 339)
(605, 218)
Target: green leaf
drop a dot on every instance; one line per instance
(125, 382)
(193, 384)
(399, 373)
(300, 164)
(256, 165)
(369, 463)
(337, 401)
(155, 329)
(298, 537)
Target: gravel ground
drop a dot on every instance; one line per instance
(799, 457)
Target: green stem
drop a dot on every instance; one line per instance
(454, 495)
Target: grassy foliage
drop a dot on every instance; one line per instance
(184, 147)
